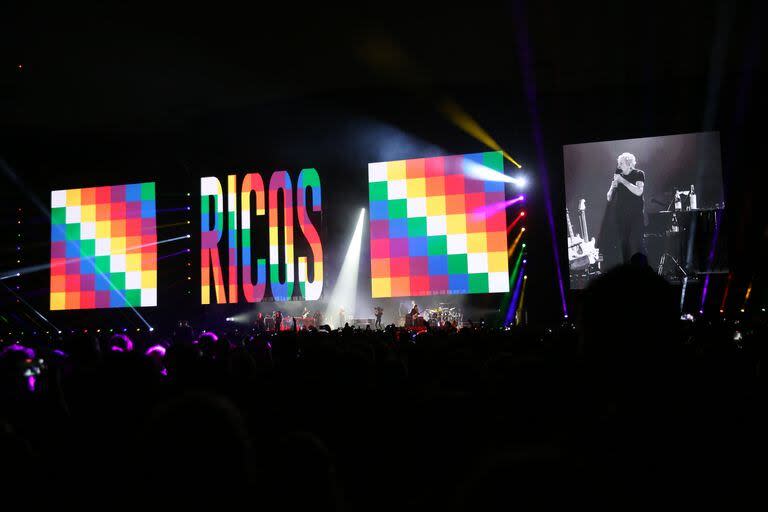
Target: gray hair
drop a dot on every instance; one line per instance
(628, 158)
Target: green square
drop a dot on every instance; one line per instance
(246, 238)
(87, 248)
(147, 191)
(117, 280)
(398, 209)
(205, 201)
(457, 264)
(231, 220)
(73, 231)
(102, 264)
(274, 273)
(494, 160)
(58, 216)
(378, 191)
(417, 226)
(133, 297)
(478, 283)
(437, 245)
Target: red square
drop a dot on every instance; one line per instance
(72, 283)
(133, 227)
(103, 195)
(435, 166)
(420, 285)
(454, 184)
(380, 248)
(88, 300)
(118, 211)
(399, 267)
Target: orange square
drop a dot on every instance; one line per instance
(497, 241)
(380, 267)
(104, 211)
(72, 300)
(401, 286)
(88, 196)
(58, 283)
(435, 186)
(414, 168)
(118, 228)
(454, 204)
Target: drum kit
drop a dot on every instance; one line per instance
(444, 312)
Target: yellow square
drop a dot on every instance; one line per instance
(416, 187)
(57, 301)
(289, 253)
(149, 279)
(457, 224)
(436, 205)
(476, 242)
(205, 294)
(102, 229)
(381, 287)
(133, 262)
(273, 235)
(73, 197)
(88, 213)
(396, 170)
(117, 245)
(318, 271)
(497, 262)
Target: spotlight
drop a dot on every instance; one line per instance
(344, 293)
(522, 214)
(189, 236)
(151, 329)
(522, 229)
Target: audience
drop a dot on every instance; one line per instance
(626, 406)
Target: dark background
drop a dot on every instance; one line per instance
(116, 93)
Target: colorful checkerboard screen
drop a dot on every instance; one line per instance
(103, 247)
(436, 231)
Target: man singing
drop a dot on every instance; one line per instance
(624, 214)
(378, 311)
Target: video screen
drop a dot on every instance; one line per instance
(434, 229)
(103, 247)
(658, 199)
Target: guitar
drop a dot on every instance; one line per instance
(592, 251)
(581, 254)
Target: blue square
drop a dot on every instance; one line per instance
(87, 265)
(116, 299)
(417, 246)
(379, 210)
(102, 282)
(494, 186)
(58, 233)
(438, 264)
(398, 228)
(459, 283)
(148, 209)
(133, 192)
(73, 249)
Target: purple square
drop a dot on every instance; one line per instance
(438, 283)
(419, 265)
(58, 249)
(379, 229)
(398, 247)
(87, 282)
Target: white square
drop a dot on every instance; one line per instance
(274, 254)
(72, 214)
(477, 262)
(117, 263)
(58, 199)
(245, 219)
(290, 273)
(396, 189)
(417, 207)
(377, 172)
(437, 225)
(457, 244)
(133, 280)
(498, 282)
(87, 230)
(148, 297)
(103, 246)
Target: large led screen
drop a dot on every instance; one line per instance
(103, 247)
(435, 229)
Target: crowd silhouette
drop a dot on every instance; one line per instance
(627, 404)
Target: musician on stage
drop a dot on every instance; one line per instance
(624, 225)
(278, 321)
(378, 311)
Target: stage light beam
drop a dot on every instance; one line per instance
(344, 293)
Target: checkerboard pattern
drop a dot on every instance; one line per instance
(432, 231)
(103, 247)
